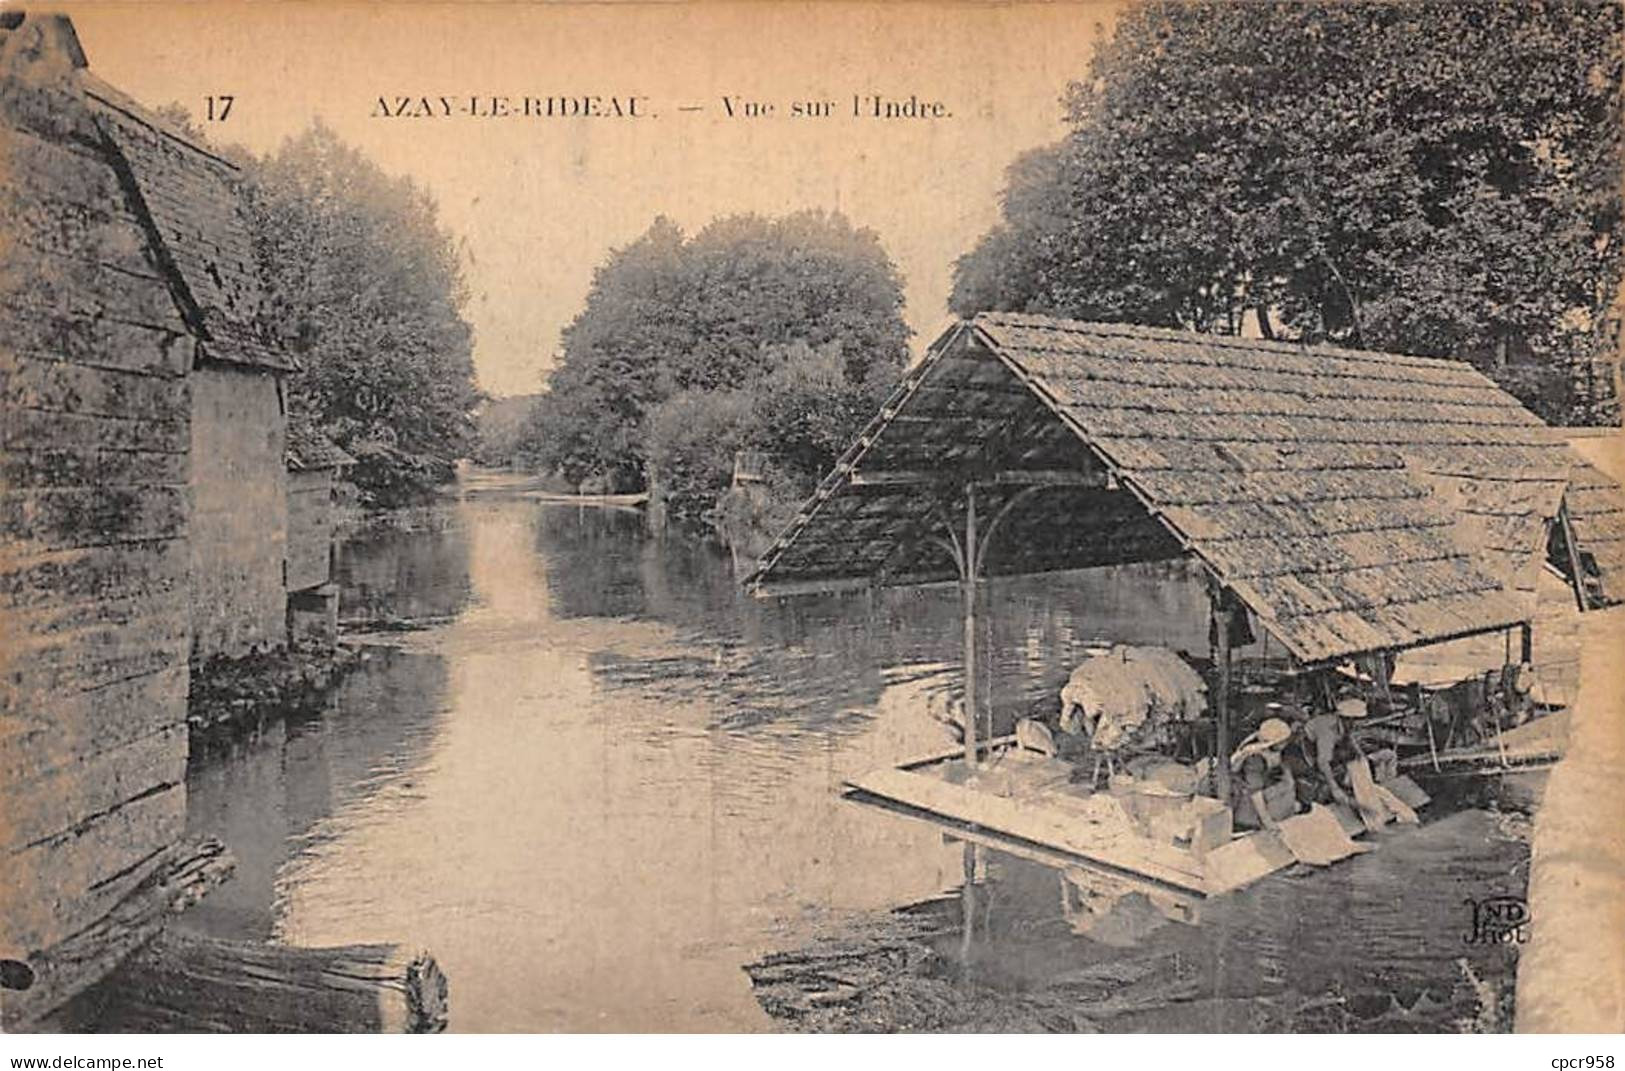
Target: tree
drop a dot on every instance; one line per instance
(1430, 178)
(667, 314)
(808, 409)
(366, 289)
(798, 417)
(1005, 271)
(617, 363)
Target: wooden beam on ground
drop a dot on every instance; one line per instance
(950, 478)
(187, 983)
(35, 986)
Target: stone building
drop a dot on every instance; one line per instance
(143, 499)
(314, 464)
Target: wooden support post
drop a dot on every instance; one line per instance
(1221, 700)
(1379, 676)
(187, 983)
(968, 571)
(1575, 575)
(967, 894)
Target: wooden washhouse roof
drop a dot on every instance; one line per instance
(191, 204)
(1597, 508)
(1355, 501)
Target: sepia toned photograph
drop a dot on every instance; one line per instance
(812, 518)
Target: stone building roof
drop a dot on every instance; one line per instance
(191, 203)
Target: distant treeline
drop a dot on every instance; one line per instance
(778, 336)
(1426, 178)
(499, 431)
(365, 288)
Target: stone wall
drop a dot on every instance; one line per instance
(239, 511)
(95, 419)
(310, 528)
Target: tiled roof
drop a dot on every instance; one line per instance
(192, 203)
(1597, 508)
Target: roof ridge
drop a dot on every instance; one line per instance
(110, 95)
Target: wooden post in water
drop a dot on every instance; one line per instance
(1221, 701)
(967, 895)
(968, 590)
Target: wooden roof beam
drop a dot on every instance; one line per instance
(828, 585)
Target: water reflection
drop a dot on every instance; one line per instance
(274, 798)
(409, 573)
(611, 780)
(1375, 943)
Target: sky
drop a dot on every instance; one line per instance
(538, 201)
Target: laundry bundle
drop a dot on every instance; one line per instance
(1124, 695)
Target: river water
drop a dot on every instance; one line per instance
(602, 780)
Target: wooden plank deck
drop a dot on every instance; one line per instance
(1056, 828)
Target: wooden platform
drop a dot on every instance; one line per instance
(1062, 824)
(1051, 823)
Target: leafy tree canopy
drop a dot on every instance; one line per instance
(796, 419)
(1429, 178)
(366, 289)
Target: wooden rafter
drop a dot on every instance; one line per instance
(949, 477)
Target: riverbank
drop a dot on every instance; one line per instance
(538, 487)
(232, 696)
(913, 971)
(1571, 976)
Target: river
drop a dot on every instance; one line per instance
(602, 780)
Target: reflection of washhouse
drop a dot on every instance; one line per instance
(1374, 941)
(1115, 910)
(1348, 507)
